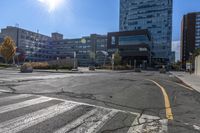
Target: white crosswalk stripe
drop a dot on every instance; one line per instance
(96, 127)
(146, 123)
(9, 98)
(100, 115)
(18, 124)
(4, 91)
(76, 122)
(91, 121)
(27, 103)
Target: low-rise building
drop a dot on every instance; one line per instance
(133, 46)
(85, 48)
(1, 40)
(31, 43)
(37, 47)
(89, 50)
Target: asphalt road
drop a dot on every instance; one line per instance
(146, 102)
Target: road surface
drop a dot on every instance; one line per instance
(118, 102)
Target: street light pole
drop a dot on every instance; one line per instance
(57, 63)
(74, 60)
(113, 61)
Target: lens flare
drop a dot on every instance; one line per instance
(51, 5)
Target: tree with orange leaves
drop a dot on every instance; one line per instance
(8, 49)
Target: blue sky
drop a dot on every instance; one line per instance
(76, 18)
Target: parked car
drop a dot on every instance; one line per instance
(92, 68)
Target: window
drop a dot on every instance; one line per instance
(113, 40)
(133, 40)
(149, 22)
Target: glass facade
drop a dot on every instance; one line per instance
(154, 15)
(197, 28)
(133, 40)
(113, 40)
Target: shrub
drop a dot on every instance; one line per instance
(119, 67)
(40, 65)
(46, 65)
(5, 65)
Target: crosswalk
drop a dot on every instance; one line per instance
(27, 113)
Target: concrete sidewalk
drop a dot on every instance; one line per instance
(191, 80)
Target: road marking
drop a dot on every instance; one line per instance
(9, 98)
(91, 122)
(95, 128)
(185, 86)
(27, 103)
(4, 91)
(147, 123)
(76, 122)
(180, 85)
(196, 127)
(168, 109)
(29, 120)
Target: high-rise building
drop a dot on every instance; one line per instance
(190, 36)
(154, 15)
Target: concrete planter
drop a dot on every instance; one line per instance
(163, 70)
(137, 70)
(26, 68)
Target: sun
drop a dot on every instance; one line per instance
(51, 5)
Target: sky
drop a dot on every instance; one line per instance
(77, 18)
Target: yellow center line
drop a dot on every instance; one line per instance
(168, 109)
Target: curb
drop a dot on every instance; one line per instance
(188, 85)
(57, 72)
